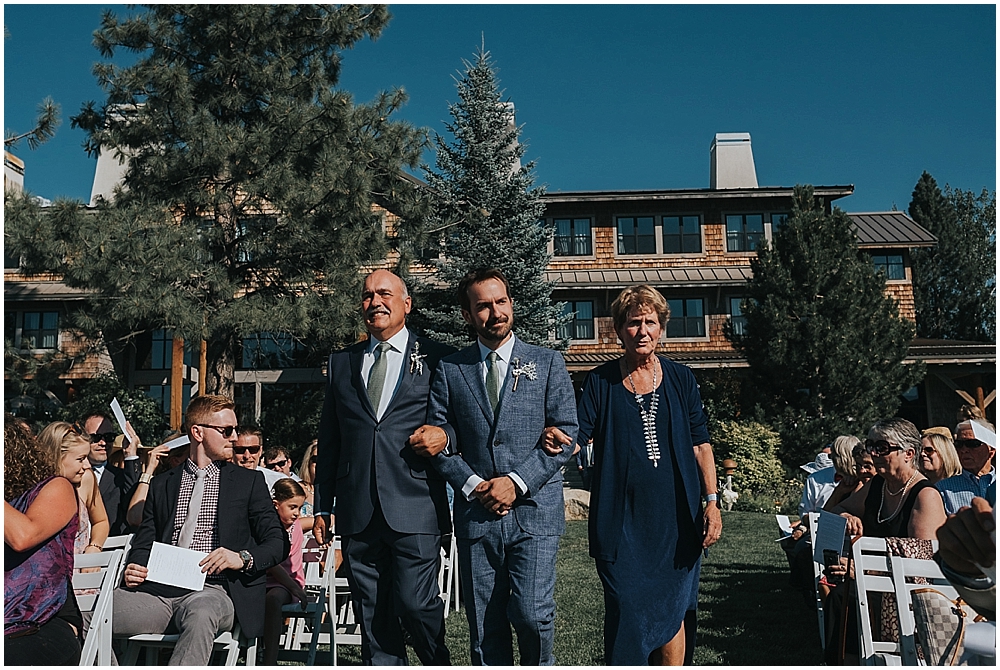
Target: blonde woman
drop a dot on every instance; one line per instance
(307, 477)
(68, 450)
(938, 458)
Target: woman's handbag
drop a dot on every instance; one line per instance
(940, 625)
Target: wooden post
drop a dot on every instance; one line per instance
(202, 367)
(177, 384)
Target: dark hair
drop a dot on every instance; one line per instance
(285, 489)
(475, 277)
(252, 430)
(272, 452)
(24, 464)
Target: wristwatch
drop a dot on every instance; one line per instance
(247, 560)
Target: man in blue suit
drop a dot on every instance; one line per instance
(494, 400)
(391, 505)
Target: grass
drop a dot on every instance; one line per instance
(746, 615)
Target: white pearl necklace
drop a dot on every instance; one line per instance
(899, 506)
(649, 419)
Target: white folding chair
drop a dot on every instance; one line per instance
(305, 624)
(448, 575)
(813, 521)
(97, 645)
(231, 642)
(902, 569)
(872, 575)
(123, 542)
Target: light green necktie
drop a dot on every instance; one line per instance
(376, 376)
(493, 380)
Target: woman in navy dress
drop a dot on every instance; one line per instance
(652, 464)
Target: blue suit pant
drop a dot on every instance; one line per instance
(512, 577)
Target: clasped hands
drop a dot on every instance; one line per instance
(217, 561)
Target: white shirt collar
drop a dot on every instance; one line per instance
(504, 351)
(398, 341)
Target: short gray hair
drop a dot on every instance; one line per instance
(898, 431)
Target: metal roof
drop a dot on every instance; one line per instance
(831, 192)
(890, 229)
(688, 276)
(40, 290)
(939, 352)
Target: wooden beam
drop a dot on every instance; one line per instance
(947, 381)
(202, 367)
(177, 384)
(988, 400)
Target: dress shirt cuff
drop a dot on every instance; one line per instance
(522, 488)
(470, 486)
(132, 458)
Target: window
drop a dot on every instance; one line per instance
(635, 235)
(572, 237)
(582, 325)
(10, 262)
(778, 220)
(682, 234)
(736, 318)
(891, 266)
(40, 330)
(744, 231)
(253, 231)
(161, 354)
(687, 318)
(270, 351)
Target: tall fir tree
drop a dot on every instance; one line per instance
(247, 201)
(954, 281)
(487, 214)
(824, 343)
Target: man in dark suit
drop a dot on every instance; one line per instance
(116, 484)
(391, 505)
(206, 504)
(497, 401)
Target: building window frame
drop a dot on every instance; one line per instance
(893, 266)
(684, 325)
(739, 237)
(737, 319)
(576, 331)
(647, 240)
(43, 335)
(687, 242)
(573, 241)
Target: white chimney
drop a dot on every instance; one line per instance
(732, 162)
(110, 173)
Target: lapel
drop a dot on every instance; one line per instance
(472, 371)
(173, 490)
(405, 377)
(226, 471)
(357, 354)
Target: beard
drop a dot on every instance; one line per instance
(494, 331)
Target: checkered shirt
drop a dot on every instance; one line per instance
(958, 491)
(206, 534)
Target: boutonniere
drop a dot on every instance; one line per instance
(528, 370)
(417, 359)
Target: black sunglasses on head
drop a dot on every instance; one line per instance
(968, 444)
(881, 447)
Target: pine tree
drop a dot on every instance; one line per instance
(955, 281)
(247, 202)
(824, 343)
(488, 214)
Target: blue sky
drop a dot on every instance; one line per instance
(630, 96)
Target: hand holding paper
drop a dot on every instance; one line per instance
(176, 566)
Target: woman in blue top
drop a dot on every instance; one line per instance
(652, 463)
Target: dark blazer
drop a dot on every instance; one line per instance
(361, 457)
(246, 520)
(492, 447)
(117, 486)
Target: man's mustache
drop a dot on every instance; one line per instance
(373, 311)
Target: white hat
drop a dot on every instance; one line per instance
(821, 463)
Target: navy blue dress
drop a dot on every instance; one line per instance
(645, 532)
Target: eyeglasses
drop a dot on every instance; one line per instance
(277, 464)
(225, 431)
(881, 447)
(928, 451)
(313, 459)
(102, 437)
(242, 450)
(968, 444)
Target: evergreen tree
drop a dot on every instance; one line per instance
(487, 214)
(247, 200)
(824, 343)
(955, 281)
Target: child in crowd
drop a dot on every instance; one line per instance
(284, 581)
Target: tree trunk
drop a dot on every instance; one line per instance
(221, 360)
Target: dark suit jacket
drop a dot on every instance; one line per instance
(361, 457)
(491, 447)
(246, 520)
(117, 487)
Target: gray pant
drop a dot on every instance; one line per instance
(198, 616)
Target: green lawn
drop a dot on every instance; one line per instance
(746, 616)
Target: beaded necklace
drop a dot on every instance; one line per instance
(885, 485)
(648, 419)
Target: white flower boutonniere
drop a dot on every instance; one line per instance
(528, 370)
(417, 359)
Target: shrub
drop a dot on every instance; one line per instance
(754, 447)
(140, 410)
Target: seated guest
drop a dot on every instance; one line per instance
(117, 484)
(182, 509)
(938, 459)
(277, 459)
(40, 616)
(307, 476)
(247, 453)
(285, 582)
(978, 473)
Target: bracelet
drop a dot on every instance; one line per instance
(99, 547)
(711, 497)
(145, 478)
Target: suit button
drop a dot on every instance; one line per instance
(496, 443)
(377, 429)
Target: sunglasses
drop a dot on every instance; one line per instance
(881, 447)
(968, 444)
(313, 459)
(277, 464)
(225, 431)
(242, 450)
(102, 437)
(928, 451)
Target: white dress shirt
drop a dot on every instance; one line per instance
(504, 352)
(394, 367)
